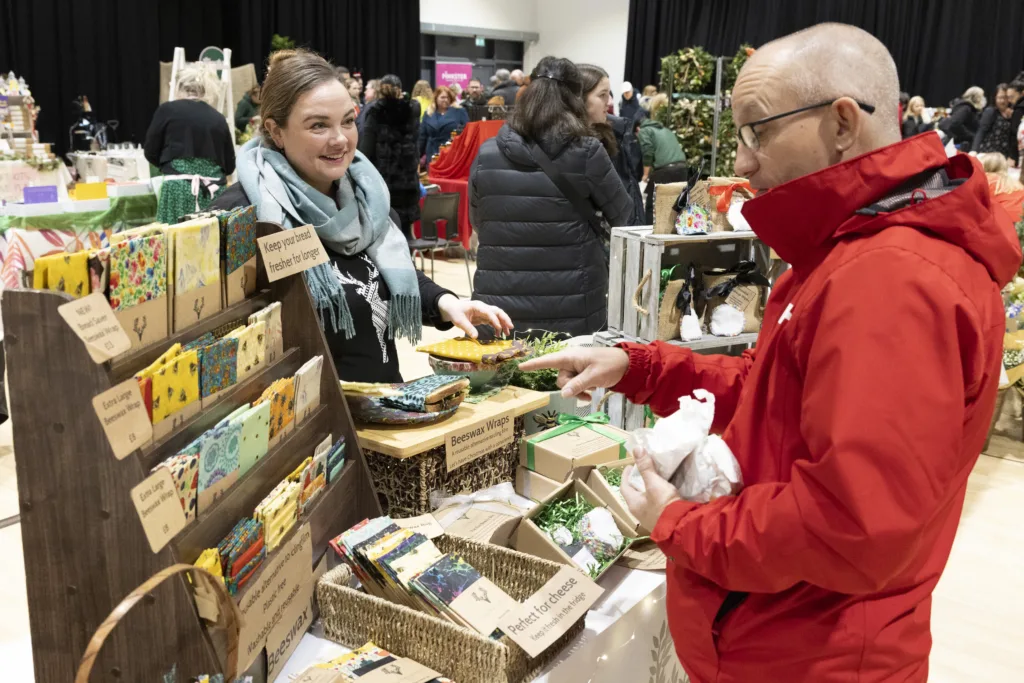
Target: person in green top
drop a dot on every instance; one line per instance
(658, 144)
(248, 107)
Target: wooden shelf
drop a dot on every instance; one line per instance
(240, 500)
(123, 367)
(246, 391)
(669, 240)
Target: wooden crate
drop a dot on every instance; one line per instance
(637, 258)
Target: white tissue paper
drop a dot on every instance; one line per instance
(701, 466)
(727, 321)
(735, 215)
(561, 536)
(689, 327)
(600, 534)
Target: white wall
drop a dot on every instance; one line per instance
(520, 15)
(591, 31)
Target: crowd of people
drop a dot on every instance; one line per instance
(970, 124)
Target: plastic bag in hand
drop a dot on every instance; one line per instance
(701, 466)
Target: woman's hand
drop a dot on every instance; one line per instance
(465, 314)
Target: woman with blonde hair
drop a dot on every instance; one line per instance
(1007, 191)
(188, 137)
(424, 94)
(913, 116)
(964, 116)
(442, 119)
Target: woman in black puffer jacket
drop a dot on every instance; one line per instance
(540, 258)
(390, 140)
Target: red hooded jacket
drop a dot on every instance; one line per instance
(856, 423)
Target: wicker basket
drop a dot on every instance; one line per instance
(353, 618)
(404, 484)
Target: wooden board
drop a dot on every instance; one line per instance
(402, 442)
(697, 239)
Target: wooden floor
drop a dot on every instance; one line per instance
(978, 617)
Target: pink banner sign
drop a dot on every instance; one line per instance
(450, 73)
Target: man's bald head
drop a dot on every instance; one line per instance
(829, 61)
(826, 63)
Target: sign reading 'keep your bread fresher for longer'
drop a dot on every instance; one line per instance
(291, 251)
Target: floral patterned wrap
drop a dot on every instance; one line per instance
(138, 271)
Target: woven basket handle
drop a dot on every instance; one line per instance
(639, 292)
(230, 618)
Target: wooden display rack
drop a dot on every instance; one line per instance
(84, 546)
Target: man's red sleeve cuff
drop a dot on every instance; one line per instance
(635, 379)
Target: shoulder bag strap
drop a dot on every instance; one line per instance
(570, 192)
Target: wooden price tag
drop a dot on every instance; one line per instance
(547, 614)
(159, 508)
(122, 413)
(96, 325)
(291, 251)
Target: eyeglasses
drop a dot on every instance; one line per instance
(748, 136)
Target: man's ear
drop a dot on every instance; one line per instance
(849, 124)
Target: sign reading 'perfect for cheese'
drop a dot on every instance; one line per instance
(468, 442)
(291, 251)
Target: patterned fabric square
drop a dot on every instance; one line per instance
(307, 388)
(200, 342)
(138, 271)
(196, 254)
(219, 366)
(184, 468)
(238, 237)
(252, 348)
(281, 395)
(172, 351)
(271, 317)
(175, 385)
(146, 389)
(218, 454)
(255, 435)
(416, 395)
(474, 351)
(68, 273)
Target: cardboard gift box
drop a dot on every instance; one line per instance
(529, 538)
(534, 486)
(600, 486)
(575, 442)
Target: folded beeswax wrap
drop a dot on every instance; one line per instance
(271, 317)
(281, 396)
(209, 560)
(138, 271)
(252, 348)
(307, 388)
(146, 389)
(175, 385)
(219, 366)
(473, 351)
(99, 270)
(196, 254)
(184, 468)
(172, 351)
(280, 513)
(255, 435)
(200, 342)
(218, 454)
(68, 273)
(235, 583)
(417, 396)
(148, 230)
(238, 237)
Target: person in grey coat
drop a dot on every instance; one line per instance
(540, 258)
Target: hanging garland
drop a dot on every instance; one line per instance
(38, 163)
(689, 70)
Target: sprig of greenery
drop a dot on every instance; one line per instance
(539, 380)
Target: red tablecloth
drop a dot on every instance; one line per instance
(451, 170)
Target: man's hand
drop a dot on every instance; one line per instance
(647, 505)
(465, 314)
(581, 370)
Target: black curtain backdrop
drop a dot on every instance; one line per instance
(110, 50)
(941, 47)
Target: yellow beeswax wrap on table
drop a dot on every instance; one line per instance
(175, 385)
(196, 248)
(67, 273)
(467, 350)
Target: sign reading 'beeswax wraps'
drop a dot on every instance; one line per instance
(291, 251)
(466, 443)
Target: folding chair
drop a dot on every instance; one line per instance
(440, 207)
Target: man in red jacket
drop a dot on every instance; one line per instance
(860, 415)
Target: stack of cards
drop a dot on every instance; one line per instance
(366, 659)
(241, 553)
(406, 568)
(335, 460)
(307, 388)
